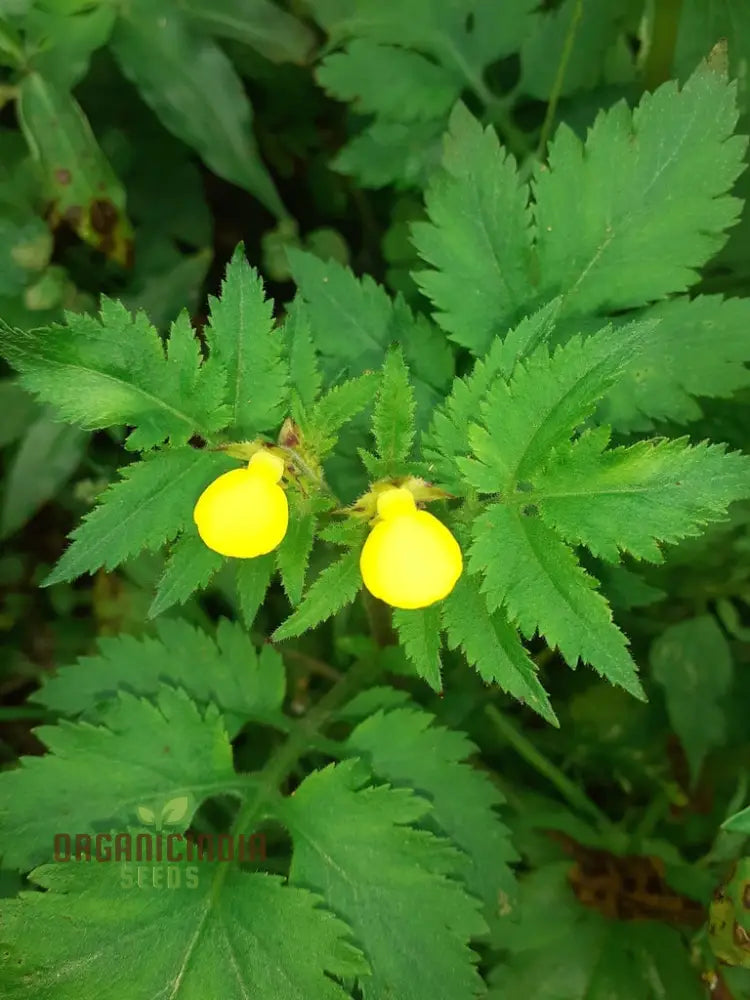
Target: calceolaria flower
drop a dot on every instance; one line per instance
(410, 559)
(244, 513)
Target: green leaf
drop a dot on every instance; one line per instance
(703, 23)
(547, 398)
(652, 223)
(692, 661)
(304, 373)
(45, 460)
(447, 438)
(334, 409)
(700, 348)
(226, 929)
(405, 748)
(393, 416)
(630, 499)
(478, 239)
(491, 645)
(226, 671)
(381, 870)
(274, 33)
(419, 634)
(96, 775)
(192, 87)
(389, 81)
(404, 154)
(62, 41)
(78, 179)
(242, 339)
(149, 506)
(536, 578)
(19, 411)
(333, 589)
(253, 580)
(294, 551)
(190, 567)
(99, 372)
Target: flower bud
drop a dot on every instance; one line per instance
(410, 559)
(244, 513)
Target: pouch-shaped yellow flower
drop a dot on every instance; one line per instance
(410, 559)
(244, 513)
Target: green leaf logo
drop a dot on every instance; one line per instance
(174, 811)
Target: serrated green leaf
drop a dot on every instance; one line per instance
(227, 933)
(149, 506)
(382, 869)
(99, 372)
(536, 578)
(190, 567)
(405, 748)
(650, 224)
(333, 589)
(78, 178)
(335, 408)
(243, 341)
(389, 81)
(700, 348)
(399, 153)
(304, 373)
(491, 645)
(447, 438)
(393, 416)
(95, 775)
(225, 670)
(269, 29)
(630, 499)
(253, 580)
(294, 552)
(419, 633)
(525, 419)
(478, 239)
(193, 88)
(692, 662)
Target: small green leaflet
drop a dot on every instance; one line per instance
(692, 662)
(253, 580)
(419, 633)
(304, 372)
(190, 567)
(537, 579)
(630, 499)
(333, 589)
(382, 869)
(274, 33)
(294, 552)
(243, 341)
(393, 418)
(491, 645)
(98, 372)
(149, 506)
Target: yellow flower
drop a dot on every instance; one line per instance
(410, 559)
(244, 513)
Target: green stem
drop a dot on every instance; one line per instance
(380, 620)
(526, 749)
(283, 760)
(559, 80)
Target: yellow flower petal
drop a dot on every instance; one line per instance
(244, 513)
(410, 559)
